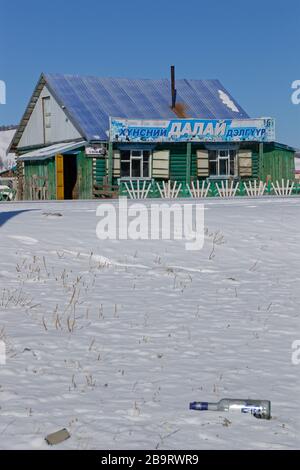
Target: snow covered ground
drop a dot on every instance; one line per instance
(113, 339)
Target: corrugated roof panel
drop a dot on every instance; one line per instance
(50, 151)
(91, 100)
(195, 106)
(208, 91)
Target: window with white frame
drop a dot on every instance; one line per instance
(222, 163)
(135, 163)
(46, 105)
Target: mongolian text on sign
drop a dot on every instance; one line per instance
(192, 130)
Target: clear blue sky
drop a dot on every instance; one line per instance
(251, 47)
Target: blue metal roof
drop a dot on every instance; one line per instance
(90, 101)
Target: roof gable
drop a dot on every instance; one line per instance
(60, 128)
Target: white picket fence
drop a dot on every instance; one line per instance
(254, 189)
(228, 189)
(141, 191)
(285, 189)
(198, 190)
(169, 190)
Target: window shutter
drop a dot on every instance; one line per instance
(245, 162)
(116, 164)
(160, 164)
(202, 163)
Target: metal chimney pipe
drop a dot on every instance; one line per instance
(173, 89)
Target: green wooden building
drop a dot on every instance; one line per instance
(84, 137)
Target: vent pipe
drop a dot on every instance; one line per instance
(173, 89)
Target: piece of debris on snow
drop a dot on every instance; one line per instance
(52, 214)
(57, 437)
(226, 422)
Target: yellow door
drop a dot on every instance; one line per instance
(59, 165)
